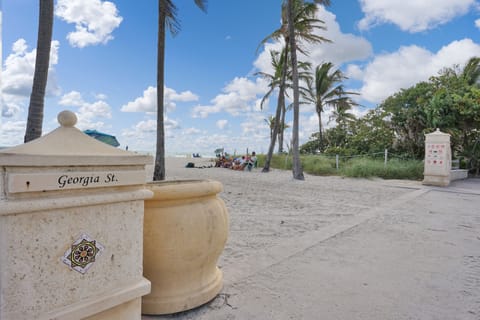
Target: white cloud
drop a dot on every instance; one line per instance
(192, 131)
(88, 112)
(185, 96)
(255, 127)
(192, 140)
(150, 126)
(17, 76)
(12, 133)
(222, 124)
(148, 102)
(143, 134)
(264, 62)
(412, 15)
(345, 46)
(72, 99)
(147, 126)
(477, 23)
(240, 97)
(94, 20)
(388, 73)
(170, 125)
(354, 72)
(101, 96)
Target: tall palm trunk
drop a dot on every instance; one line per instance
(276, 128)
(159, 169)
(37, 97)
(297, 166)
(282, 129)
(320, 130)
(280, 103)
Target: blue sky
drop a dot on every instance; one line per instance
(103, 64)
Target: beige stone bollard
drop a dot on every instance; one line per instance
(71, 228)
(438, 159)
(186, 228)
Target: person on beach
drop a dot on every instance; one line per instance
(251, 162)
(239, 164)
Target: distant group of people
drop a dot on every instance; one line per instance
(239, 163)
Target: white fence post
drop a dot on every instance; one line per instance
(336, 161)
(386, 157)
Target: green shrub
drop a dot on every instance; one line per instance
(357, 167)
(319, 165)
(395, 169)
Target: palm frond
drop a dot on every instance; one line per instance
(169, 10)
(202, 4)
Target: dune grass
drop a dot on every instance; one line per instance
(356, 168)
(395, 169)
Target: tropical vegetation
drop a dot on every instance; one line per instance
(298, 23)
(326, 89)
(449, 101)
(364, 167)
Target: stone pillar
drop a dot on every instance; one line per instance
(71, 228)
(438, 159)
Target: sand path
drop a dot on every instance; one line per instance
(338, 248)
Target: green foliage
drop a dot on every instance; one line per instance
(395, 169)
(282, 161)
(408, 119)
(358, 168)
(319, 165)
(371, 133)
(311, 146)
(449, 101)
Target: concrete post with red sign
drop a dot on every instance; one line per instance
(438, 159)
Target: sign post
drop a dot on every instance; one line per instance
(438, 159)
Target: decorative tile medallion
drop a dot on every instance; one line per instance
(82, 253)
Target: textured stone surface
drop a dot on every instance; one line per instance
(40, 225)
(35, 278)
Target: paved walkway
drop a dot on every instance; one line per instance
(415, 257)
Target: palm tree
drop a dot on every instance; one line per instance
(270, 121)
(167, 19)
(303, 15)
(471, 71)
(296, 166)
(276, 80)
(326, 89)
(40, 76)
(341, 113)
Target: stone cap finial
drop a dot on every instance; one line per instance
(67, 118)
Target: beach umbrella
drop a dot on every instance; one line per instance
(105, 138)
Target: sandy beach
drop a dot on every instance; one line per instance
(341, 248)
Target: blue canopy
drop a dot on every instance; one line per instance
(103, 137)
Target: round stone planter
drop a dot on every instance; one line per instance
(185, 230)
